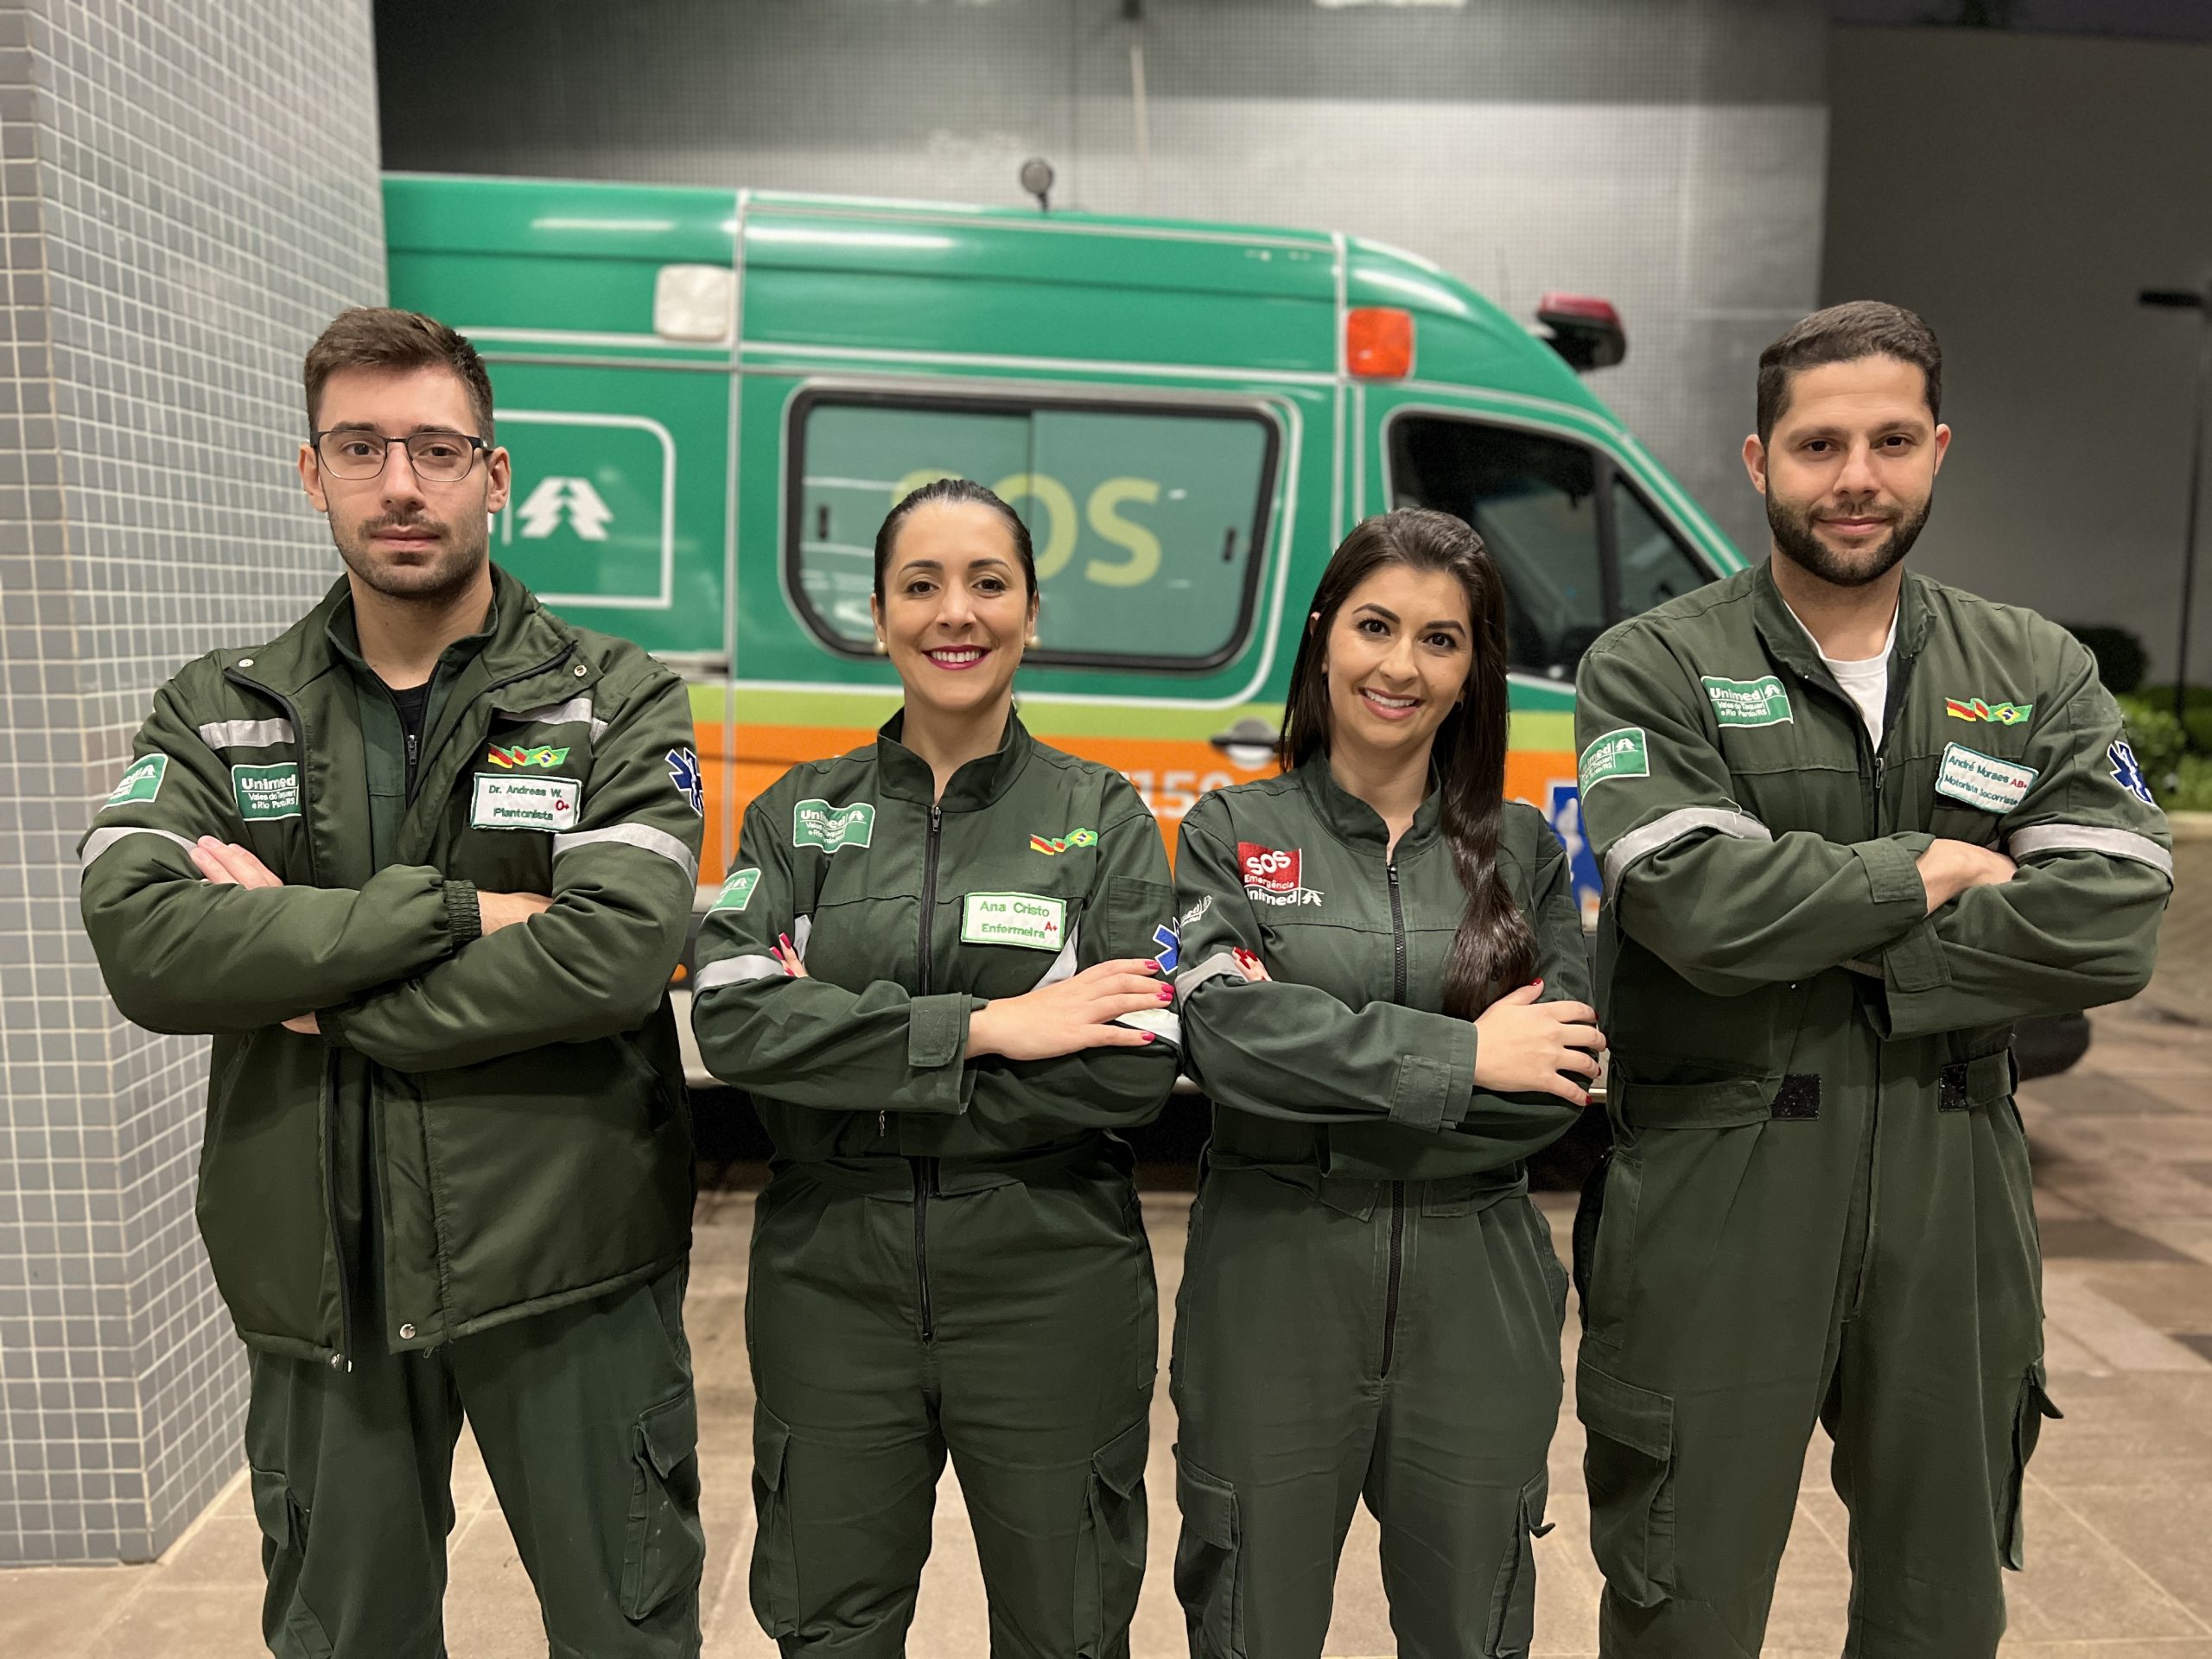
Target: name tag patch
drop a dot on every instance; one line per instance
(1022, 919)
(1983, 780)
(547, 804)
(267, 791)
(1748, 703)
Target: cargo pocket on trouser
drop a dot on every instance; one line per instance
(667, 1548)
(1110, 1551)
(2027, 1428)
(1630, 1467)
(1209, 1567)
(1513, 1604)
(291, 1631)
(775, 1565)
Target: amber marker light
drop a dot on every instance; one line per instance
(1379, 342)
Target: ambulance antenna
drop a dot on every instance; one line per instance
(1037, 179)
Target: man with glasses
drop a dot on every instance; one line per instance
(422, 866)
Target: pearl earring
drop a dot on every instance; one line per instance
(881, 649)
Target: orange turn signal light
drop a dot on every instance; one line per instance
(1379, 342)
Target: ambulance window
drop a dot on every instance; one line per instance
(1534, 500)
(1654, 567)
(1146, 519)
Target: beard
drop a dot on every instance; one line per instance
(1794, 535)
(440, 572)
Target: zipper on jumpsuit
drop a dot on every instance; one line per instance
(926, 1168)
(343, 1359)
(1873, 749)
(1397, 1188)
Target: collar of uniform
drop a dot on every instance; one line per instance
(518, 636)
(344, 637)
(906, 776)
(1356, 823)
(1787, 642)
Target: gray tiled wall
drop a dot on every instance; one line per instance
(188, 190)
(1670, 155)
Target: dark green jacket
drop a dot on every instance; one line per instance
(1033, 865)
(1341, 1062)
(1764, 928)
(534, 1142)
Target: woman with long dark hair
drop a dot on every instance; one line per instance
(938, 972)
(1382, 990)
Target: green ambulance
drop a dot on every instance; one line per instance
(712, 398)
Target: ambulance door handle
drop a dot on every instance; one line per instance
(1250, 743)
(1228, 545)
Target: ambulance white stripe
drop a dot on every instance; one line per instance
(100, 840)
(2090, 838)
(247, 733)
(641, 835)
(1665, 831)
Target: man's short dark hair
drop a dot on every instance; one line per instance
(1844, 334)
(378, 337)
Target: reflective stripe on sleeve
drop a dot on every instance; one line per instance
(731, 971)
(1666, 830)
(641, 835)
(577, 711)
(2090, 838)
(100, 840)
(1221, 961)
(1167, 1027)
(247, 733)
(1062, 966)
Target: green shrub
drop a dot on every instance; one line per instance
(2192, 791)
(2156, 737)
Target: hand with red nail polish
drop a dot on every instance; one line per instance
(787, 957)
(1525, 1046)
(1073, 1014)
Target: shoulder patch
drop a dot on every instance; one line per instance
(817, 823)
(2127, 771)
(737, 892)
(1749, 703)
(683, 771)
(140, 783)
(1621, 753)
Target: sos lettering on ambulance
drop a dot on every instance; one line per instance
(1271, 876)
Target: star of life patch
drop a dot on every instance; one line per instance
(683, 771)
(2127, 771)
(1983, 780)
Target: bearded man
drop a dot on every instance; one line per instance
(422, 867)
(1852, 824)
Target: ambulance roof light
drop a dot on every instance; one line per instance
(1584, 330)
(1379, 342)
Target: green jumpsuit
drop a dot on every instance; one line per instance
(1819, 1209)
(949, 1257)
(1370, 1305)
(391, 1208)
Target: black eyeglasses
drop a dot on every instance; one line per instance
(440, 457)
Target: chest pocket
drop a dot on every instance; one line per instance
(265, 792)
(1798, 773)
(522, 785)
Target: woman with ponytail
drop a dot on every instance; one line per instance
(1382, 989)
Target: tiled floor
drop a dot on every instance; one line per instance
(2120, 1514)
